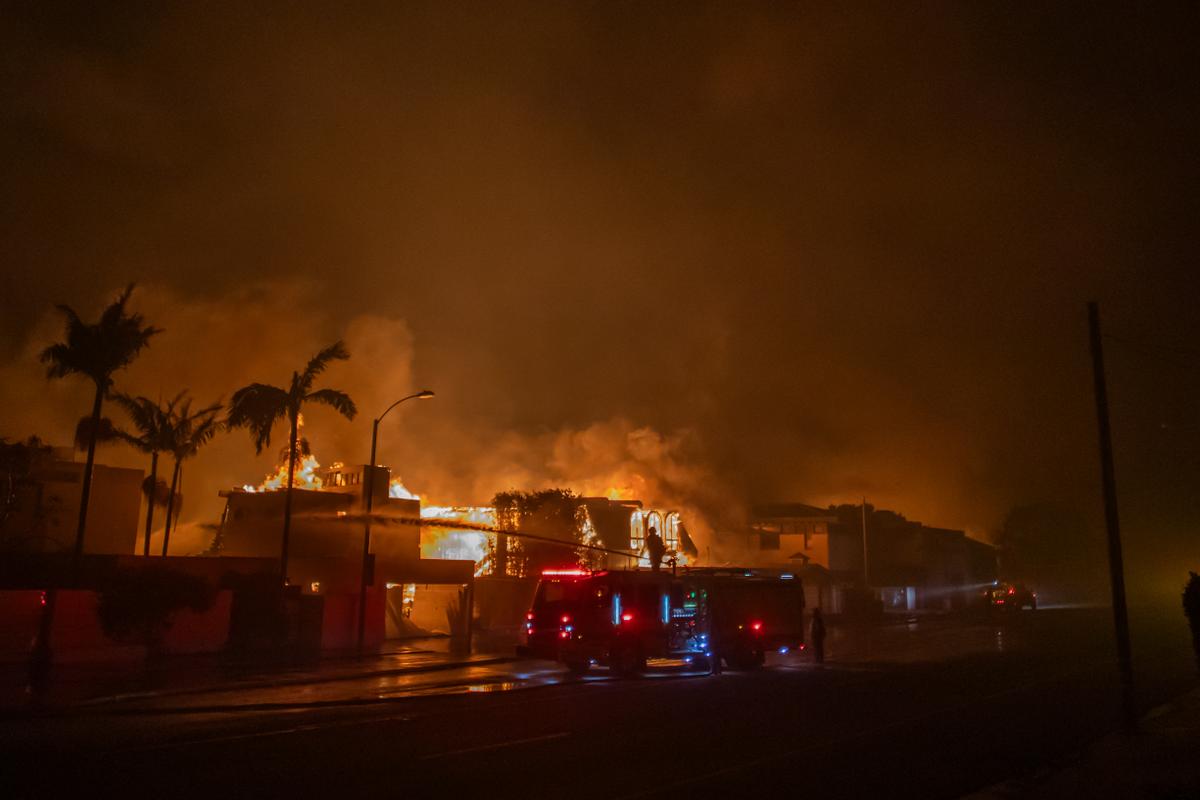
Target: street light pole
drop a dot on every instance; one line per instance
(368, 502)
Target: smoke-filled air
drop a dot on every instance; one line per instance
(701, 258)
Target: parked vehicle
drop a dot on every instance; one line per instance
(702, 618)
(1004, 596)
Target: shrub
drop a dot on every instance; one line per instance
(139, 604)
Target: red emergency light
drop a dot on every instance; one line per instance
(565, 573)
(756, 626)
(566, 618)
(627, 616)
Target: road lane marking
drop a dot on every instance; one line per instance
(496, 745)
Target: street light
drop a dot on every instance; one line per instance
(369, 489)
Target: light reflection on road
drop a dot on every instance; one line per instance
(853, 648)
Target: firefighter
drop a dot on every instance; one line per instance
(818, 636)
(655, 548)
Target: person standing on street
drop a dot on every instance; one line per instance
(655, 548)
(1191, 609)
(818, 636)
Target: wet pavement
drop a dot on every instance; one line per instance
(949, 704)
(90, 684)
(428, 667)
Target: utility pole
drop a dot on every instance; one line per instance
(366, 576)
(1112, 524)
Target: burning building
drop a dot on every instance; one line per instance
(426, 557)
(326, 540)
(624, 525)
(327, 517)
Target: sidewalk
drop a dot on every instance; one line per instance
(78, 686)
(1160, 762)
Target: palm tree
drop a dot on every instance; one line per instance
(258, 407)
(96, 351)
(189, 432)
(154, 434)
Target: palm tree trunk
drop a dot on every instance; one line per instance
(287, 499)
(150, 504)
(86, 492)
(170, 507)
(179, 492)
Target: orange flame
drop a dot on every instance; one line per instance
(305, 476)
(449, 542)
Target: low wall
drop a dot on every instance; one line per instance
(78, 637)
(339, 620)
(205, 632)
(501, 603)
(20, 612)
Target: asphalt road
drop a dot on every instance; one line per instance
(933, 709)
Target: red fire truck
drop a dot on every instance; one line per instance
(702, 617)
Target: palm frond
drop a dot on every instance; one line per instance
(257, 408)
(116, 310)
(59, 360)
(156, 491)
(105, 432)
(191, 431)
(98, 349)
(202, 433)
(339, 401)
(74, 321)
(317, 364)
(151, 419)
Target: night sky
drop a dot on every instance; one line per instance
(724, 253)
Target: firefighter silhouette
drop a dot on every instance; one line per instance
(655, 548)
(1191, 609)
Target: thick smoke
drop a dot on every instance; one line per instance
(823, 253)
(261, 334)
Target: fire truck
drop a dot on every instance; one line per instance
(700, 617)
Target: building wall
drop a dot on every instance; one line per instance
(324, 525)
(788, 535)
(48, 514)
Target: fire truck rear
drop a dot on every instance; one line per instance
(702, 618)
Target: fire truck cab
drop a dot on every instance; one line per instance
(620, 619)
